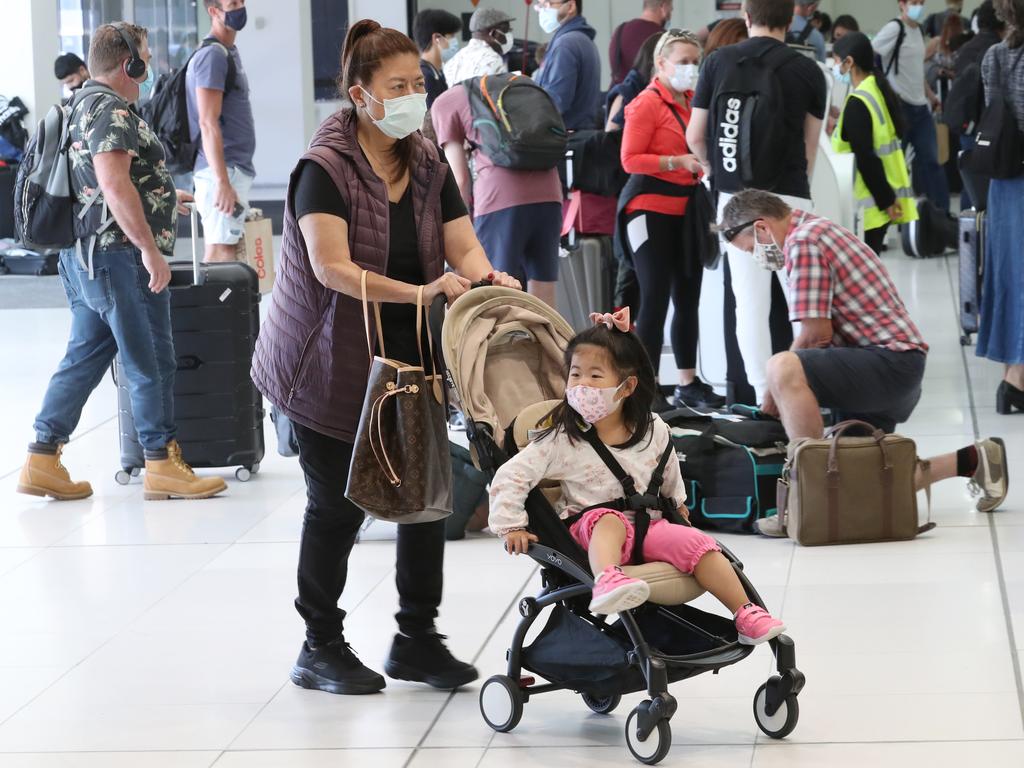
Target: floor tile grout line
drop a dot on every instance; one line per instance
(110, 639)
(476, 657)
(993, 528)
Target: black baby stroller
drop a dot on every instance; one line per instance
(503, 353)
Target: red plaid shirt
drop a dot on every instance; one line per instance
(833, 275)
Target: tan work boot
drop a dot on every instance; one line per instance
(172, 478)
(44, 475)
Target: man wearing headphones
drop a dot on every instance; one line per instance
(116, 277)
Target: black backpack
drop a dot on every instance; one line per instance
(44, 215)
(998, 144)
(962, 108)
(799, 38)
(747, 125)
(167, 112)
(518, 125)
(894, 58)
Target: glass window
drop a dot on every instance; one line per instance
(78, 18)
(330, 25)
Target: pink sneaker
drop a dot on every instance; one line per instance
(756, 625)
(614, 591)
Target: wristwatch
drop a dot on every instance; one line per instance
(671, 163)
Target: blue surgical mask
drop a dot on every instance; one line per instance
(236, 19)
(840, 76)
(915, 12)
(146, 86)
(549, 19)
(451, 50)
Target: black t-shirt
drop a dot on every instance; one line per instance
(315, 192)
(433, 80)
(805, 92)
(858, 131)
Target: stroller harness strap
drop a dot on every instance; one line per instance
(637, 503)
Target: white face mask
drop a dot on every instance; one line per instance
(508, 44)
(451, 50)
(593, 403)
(549, 19)
(685, 77)
(768, 256)
(402, 116)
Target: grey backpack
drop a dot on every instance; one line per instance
(44, 202)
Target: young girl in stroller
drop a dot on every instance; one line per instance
(610, 388)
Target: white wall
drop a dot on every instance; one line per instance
(27, 54)
(276, 50)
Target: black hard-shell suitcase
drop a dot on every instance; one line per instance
(7, 175)
(16, 260)
(218, 410)
(586, 280)
(972, 269)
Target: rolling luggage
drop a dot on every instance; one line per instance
(972, 269)
(23, 261)
(7, 175)
(219, 412)
(586, 280)
(932, 234)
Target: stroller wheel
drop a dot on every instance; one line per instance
(653, 749)
(603, 705)
(780, 724)
(501, 703)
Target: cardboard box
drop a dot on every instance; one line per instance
(256, 248)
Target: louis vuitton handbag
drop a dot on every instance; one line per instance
(847, 490)
(401, 469)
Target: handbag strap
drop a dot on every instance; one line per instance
(366, 318)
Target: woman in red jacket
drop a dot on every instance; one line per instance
(653, 205)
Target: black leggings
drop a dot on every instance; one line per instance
(329, 532)
(661, 265)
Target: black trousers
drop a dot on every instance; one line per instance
(666, 273)
(329, 532)
(875, 238)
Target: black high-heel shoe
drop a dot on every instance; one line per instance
(1009, 397)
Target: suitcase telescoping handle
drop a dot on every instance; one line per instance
(198, 276)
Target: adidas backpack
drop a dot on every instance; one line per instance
(44, 216)
(747, 126)
(518, 125)
(167, 113)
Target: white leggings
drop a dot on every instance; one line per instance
(752, 286)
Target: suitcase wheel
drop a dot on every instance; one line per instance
(123, 477)
(965, 340)
(244, 474)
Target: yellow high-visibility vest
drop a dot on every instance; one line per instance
(887, 147)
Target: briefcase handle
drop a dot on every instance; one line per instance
(839, 430)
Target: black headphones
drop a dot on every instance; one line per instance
(136, 67)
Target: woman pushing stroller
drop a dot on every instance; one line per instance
(610, 387)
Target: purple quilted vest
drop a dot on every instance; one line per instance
(311, 358)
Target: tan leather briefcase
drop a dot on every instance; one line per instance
(847, 490)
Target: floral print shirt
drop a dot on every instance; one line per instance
(584, 478)
(105, 123)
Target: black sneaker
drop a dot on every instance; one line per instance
(426, 659)
(335, 668)
(698, 395)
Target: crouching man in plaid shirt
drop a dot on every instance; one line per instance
(857, 351)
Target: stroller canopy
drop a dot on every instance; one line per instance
(504, 350)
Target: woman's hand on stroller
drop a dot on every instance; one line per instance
(450, 285)
(518, 542)
(504, 280)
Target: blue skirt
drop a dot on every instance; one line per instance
(1001, 333)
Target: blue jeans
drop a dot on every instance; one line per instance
(113, 313)
(929, 176)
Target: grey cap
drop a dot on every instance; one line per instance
(486, 18)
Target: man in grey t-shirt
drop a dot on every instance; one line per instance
(220, 111)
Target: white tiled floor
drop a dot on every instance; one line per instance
(161, 635)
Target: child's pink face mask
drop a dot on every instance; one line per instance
(594, 403)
